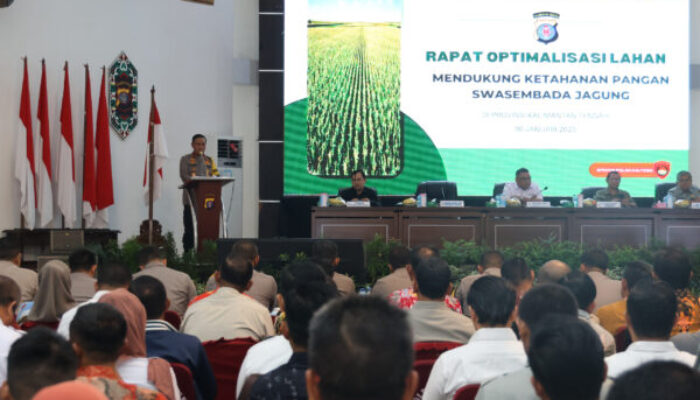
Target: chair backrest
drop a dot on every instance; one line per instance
(498, 188)
(432, 350)
(423, 368)
(27, 325)
(226, 357)
(185, 381)
(467, 392)
(589, 192)
(661, 189)
(441, 190)
(622, 339)
(173, 319)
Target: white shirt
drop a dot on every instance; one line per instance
(135, 371)
(512, 190)
(606, 338)
(262, 358)
(8, 336)
(67, 318)
(490, 352)
(642, 352)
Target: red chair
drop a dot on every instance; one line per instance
(27, 325)
(226, 357)
(467, 392)
(185, 381)
(432, 350)
(622, 339)
(173, 319)
(423, 367)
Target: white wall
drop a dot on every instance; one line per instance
(694, 153)
(184, 49)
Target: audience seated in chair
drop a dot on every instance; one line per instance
(666, 380)
(39, 359)
(566, 358)
(430, 319)
(110, 277)
(10, 296)
(399, 259)
(325, 253)
(10, 261)
(304, 288)
(98, 333)
(226, 357)
(228, 313)
(54, 295)
(490, 264)
(595, 263)
(83, 267)
(518, 276)
(552, 271)
(612, 316)
(492, 351)
(164, 341)
(360, 347)
(178, 285)
(673, 266)
(583, 288)
(542, 300)
(651, 312)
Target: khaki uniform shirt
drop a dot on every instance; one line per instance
(344, 284)
(396, 280)
(692, 194)
(178, 285)
(264, 289)
(432, 321)
(608, 290)
(82, 286)
(200, 166)
(227, 314)
(26, 279)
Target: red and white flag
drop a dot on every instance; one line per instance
(24, 155)
(89, 192)
(160, 153)
(66, 164)
(103, 181)
(43, 171)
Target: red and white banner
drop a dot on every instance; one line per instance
(66, 163)
(89, 192)
(160, 153)
(24, 155)
(43, 171)
(103, 185)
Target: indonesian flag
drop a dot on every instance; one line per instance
(160, 153)
(89, 192)
(24, 155)
(105, 193)
(43, 172)
(66, 165)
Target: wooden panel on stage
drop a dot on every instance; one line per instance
(609, 228)
(354, 223)
(679, 228)
(420, 226)
(508, 226)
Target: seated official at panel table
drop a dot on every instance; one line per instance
(522, 189)
(613, 191)
(684, 189)
(358, 191)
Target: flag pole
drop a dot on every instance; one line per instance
(151, 157)
(82, 203)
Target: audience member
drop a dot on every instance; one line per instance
(228, 313)
(9, 299)
(72, 390)
(651, 313)
(595, 263)
(518, 275)
(10, 261)
(583, 288)
(612, 316)
(492, 351)
(552, 271)
(431, 320)
(98, 334)
(489, 265)
(325, 253)
(39, 359)
(689, 341)
(566, 359)
(655, 380)
(83, 266)
(399, 259)
(299, 299)
(360, 347)
(110, 276)
(178, 285)
(53, 297)
(133, 365)
(542, 300)
(684, 189)
(164, 341)
(673, 266)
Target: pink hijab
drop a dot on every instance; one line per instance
(135, 315)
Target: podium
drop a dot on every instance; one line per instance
(207, 208)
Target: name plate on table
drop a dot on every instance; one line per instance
(608, 204)
(358, 203)
(695, 206)
(538, 204)
(451, 203)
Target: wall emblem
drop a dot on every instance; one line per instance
(123, 95)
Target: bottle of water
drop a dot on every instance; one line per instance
(668, 199)
(500, 202)
(574, 200)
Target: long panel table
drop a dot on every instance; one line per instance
(502, 227)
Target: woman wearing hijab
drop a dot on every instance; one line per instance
(133, 365)
(53, 297)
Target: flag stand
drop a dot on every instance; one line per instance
(150, 231)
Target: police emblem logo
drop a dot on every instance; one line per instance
(546, 26)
